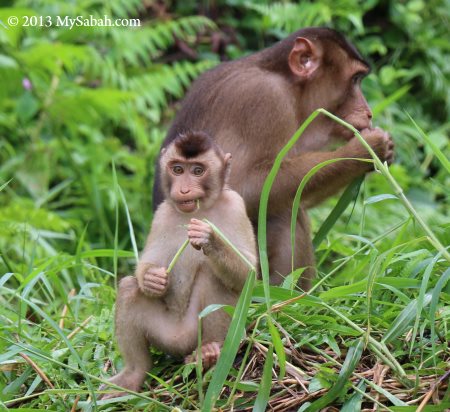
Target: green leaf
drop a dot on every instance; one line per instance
(437, 152)
(353, 404)
(266, 384)
(403, 321)
(433, 306)
(341, 291)
(349, 195)
(379, 198)
(279, 348)
(264, 201)
(338, 389)
(231, 345)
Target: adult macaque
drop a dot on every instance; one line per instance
(161, 309)
(252, 107)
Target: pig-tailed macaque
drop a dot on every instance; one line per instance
(252, 106)
(160, 309)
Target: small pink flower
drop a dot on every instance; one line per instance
(26, 83)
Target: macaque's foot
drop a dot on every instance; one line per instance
(381, 142)
(200, 234)
(127, 380)
(210, 355)
(155, 281)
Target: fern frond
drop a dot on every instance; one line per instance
(142, 45)
(50, 57)
(154, 88)
(289, 17)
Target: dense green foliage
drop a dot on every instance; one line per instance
(82, 114)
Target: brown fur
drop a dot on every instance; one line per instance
(192, 144)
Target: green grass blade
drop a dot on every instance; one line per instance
(5, 184)
(264, 201)
(116, 230)
(420, 298)
(384, 169)
(433, 306)
(349, 195)
(266, 384)
(338, 389)
(177, 255)
(398, 94)
(353, 404)
(298, 195)
(228, 242)
(231, 344)
(130, 223)
(404, 319)
(279, 348)
(437, 152)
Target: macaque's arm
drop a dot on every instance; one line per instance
(223, 258)
(151, 272)
(327, 180)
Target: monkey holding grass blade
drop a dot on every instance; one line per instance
(161, 309)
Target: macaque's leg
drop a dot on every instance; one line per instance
(131, 340)
(280, 257)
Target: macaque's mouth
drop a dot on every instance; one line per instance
(188, 206)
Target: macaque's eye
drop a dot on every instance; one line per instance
(198, 170)
(177, 170)
(357, 78)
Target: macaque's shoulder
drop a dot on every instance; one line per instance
(231, 198)
(164, 214)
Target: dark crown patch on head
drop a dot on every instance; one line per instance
(192, 144)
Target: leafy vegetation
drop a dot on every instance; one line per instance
(82, 114)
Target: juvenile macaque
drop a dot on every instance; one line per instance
(160, 309)
(252, 107)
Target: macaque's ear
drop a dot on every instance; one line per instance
(227, 160)
(304, 58)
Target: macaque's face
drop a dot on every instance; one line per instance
(187, 188)
(193, 182)
(330, 78)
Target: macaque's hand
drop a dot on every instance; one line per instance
(381, 143)
(200, 235)
(154, 281)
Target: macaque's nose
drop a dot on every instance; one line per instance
(184, 190)
(369, 114)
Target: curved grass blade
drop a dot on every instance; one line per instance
(279, 348)
(177, 255)
(384, 169)
(298, 195)
(5, 184)
(437, 152)
(404, 319)
(264, 201)
(231, 344)
(349, 195)
(421, 298)
(351, 360)
(228, 242)
(266, 384)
